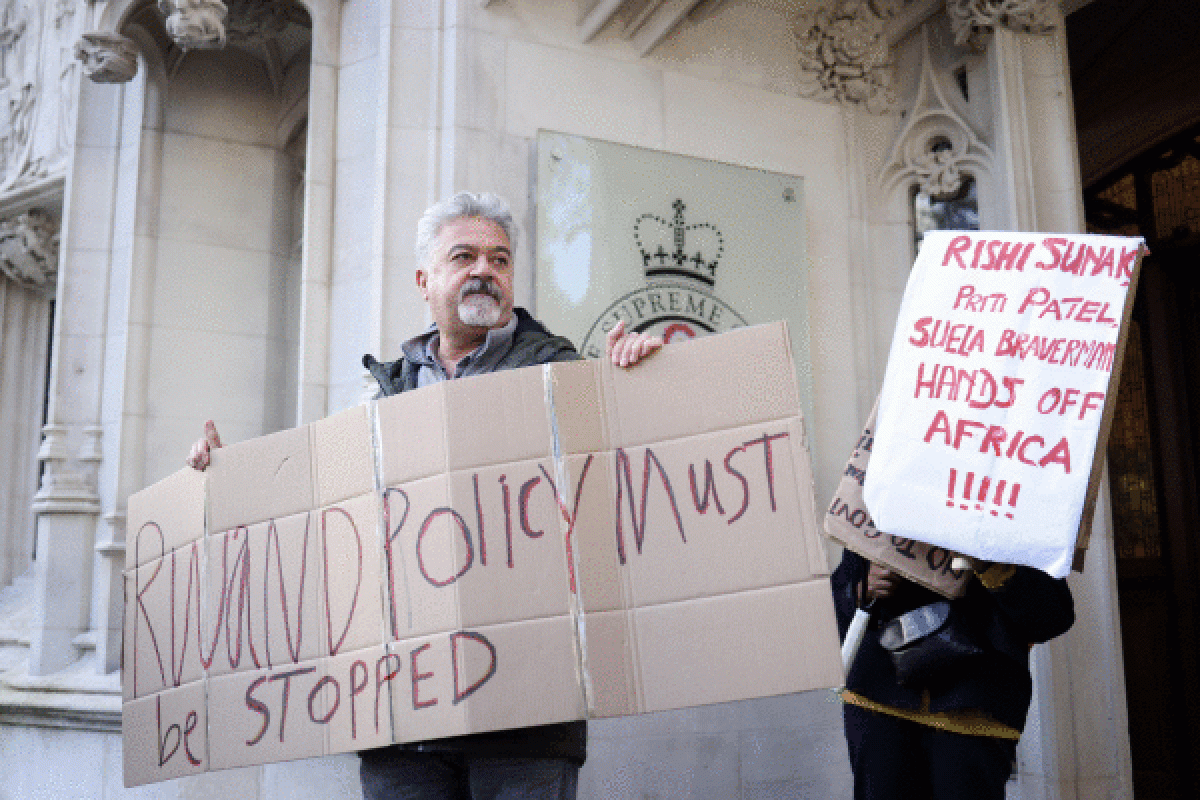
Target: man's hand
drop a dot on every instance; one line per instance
(627, 349)
(200, 456)
(881, 582)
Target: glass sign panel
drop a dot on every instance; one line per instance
(674, 245)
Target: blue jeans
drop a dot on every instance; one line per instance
(455, 776)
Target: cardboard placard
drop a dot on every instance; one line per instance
(848, 522)
(999, 391)
(539, 545)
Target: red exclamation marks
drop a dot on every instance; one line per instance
(983, 488)
(1012, 500)
(980, 497)
(999, 497)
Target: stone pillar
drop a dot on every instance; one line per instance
(66, 506)
(321, 181)
(1077, 740)
(108, 589)
(24, 326)
(1010, 106)
(28, 276)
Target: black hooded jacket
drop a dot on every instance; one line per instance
(1030, 607)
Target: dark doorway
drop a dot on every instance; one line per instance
(1135, 76)
(1154, 471)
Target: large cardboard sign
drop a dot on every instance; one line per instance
(999, 392)
(539, 545)
(848, 522)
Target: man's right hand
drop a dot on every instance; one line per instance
(200, 456)
(626, 349)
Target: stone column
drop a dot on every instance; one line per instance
(28, 269)
(1010, 107)
(66, 506)
(1077, 742)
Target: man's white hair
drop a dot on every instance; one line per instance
(462, 205)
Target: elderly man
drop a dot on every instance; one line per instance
(465, 274)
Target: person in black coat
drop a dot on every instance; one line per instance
(953, 733)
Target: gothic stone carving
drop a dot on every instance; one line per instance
(212, 23)
(195, 24)
(19, 35)
(256, 21)
(936, 150)
(37, 96)
(29, 250)
(843, 53)
(936, 167)
(974, 19)
(107, 57)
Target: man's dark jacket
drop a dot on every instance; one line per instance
(1030, 607)
(532, 344)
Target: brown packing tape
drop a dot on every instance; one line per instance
(565, 507)
(611, 664)
(580, 413)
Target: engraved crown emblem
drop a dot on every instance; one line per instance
(675, 248)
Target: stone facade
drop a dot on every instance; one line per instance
(234, 207)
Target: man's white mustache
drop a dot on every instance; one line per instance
(479, 286)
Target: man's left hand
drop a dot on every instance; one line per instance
(627, 349)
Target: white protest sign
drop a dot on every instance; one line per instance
(1006, 354)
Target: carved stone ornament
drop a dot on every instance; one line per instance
(256, 21)
(195, 24)
(63, 9)
(974, 19)
(937, 149)
(107, 57)
(844, 55)
(936, 166)
(29, 250)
